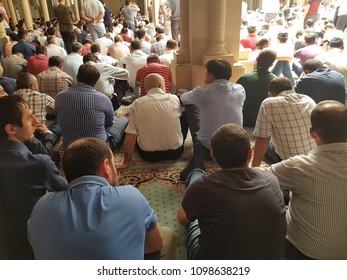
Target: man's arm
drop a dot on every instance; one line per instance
(182, 216)
(154, 240)
(260, 148)
(129, 147)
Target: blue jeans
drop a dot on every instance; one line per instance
(297, 68)
(283, 67)
(97, 30)
(271, 154)
(192, 244)
(117, 129)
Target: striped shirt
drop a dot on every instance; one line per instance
(83, 112)
(287, 119)
(53, 81)
(40, 103)
(317, 210)
(154, 67)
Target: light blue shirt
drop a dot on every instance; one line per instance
(219, 103)
(91, 220)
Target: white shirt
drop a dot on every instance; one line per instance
(104, 43)
(118, 50)
(146, 47)
(155, 119)
(317, 210)
(108, 75)
(167, 58)
(287, 119)
(92, 8)
(134, 62)
(53, 50)
(72, 62)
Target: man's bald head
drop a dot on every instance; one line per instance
(154, 81)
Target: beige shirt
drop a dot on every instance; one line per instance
(317, 210)
(155, 119)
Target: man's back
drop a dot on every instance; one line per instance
(25, 48)
(118, 217)
(219, 103)
(83, 112)
(37, 63)
(241, 214)
(323, 84)
(24, 179)
(286, 118)
(134, 62)
(317, 209)
(256, 85)
(71, 64)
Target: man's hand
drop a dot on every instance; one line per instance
(122, 165)
(41, 128)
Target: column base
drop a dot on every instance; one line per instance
(227, 57)
(182, 57)
(238, 70)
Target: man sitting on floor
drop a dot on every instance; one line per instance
(25, 177)
(216, 103)
(154, 124)
(95, 218)
(283, 124)
(317, 210)
(237, 212)
(84, 112)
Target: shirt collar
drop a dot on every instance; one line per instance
(88, 180)
(156, 91)
(286, 92)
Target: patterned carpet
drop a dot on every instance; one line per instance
(160, 184)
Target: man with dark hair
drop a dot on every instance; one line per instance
(284, 117)
(73, 61)
(141, 35)
(311, 50)
(159, 46)
(155, 124)
(95, 218)
(38, 62)
(24, 177)
(133, 62)
(216, 103)
(251, 40)
(85, 112)
(113, 81)
(237, 212)
(317, 209)
(154, 65)
(321, 83)
(170, 50)
(54, 80)
(23, 46)
(256, 85)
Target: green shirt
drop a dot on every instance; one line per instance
(256, 85)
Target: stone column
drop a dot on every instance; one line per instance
(28, 18)
(67, 2)
(216, 32)
(183, 52)
(44, 10)
(11, 12)
(76, 11)
(155, 11)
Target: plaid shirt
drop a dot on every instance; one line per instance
(286, 118)
(158, 47)
(53, 81)
(40, 103)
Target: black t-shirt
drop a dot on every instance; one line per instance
(241, 214)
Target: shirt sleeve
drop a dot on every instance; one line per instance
(132, 128)
(55, 182)
(263, 125)
(284, 171)
(190, 96)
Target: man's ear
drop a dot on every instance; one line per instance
(313, 134)
(212, 155)
(105, 169)
(250, 154)
(10, 129)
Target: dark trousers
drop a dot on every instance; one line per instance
(292, 253)
(160, 155)
(68, 39)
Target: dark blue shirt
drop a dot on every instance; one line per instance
(323, 84)
(83, 112)
(9, 85)
(25, 48)
(24, 178)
